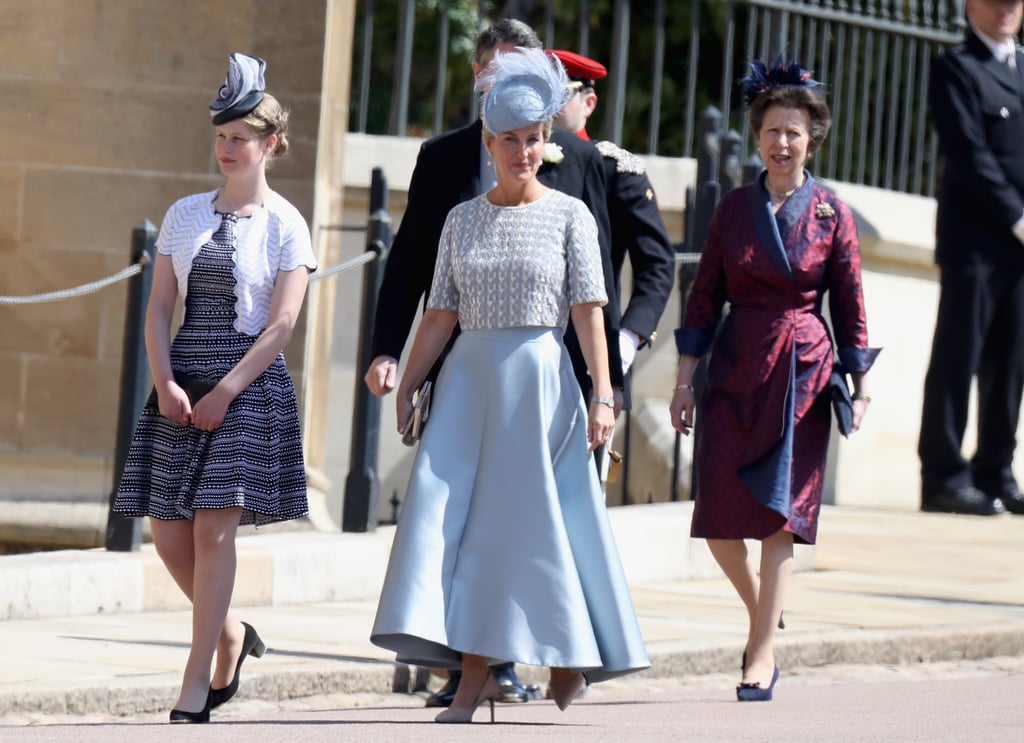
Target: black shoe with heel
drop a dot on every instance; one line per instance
(184, 716)
(251, 645)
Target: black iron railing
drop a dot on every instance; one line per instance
(669, 60)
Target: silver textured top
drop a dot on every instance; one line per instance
(509, 267)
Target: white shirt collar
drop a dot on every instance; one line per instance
(1001, 50)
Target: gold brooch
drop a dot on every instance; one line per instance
(824, 210)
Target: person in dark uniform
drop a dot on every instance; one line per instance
(455, 167)
(637, 228)
(976, 96)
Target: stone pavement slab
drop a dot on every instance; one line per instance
(886, 587)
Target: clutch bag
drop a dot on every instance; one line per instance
(614, 464)
(195, 387)
(842, 402)
(420, 413)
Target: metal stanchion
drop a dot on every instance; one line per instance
(362, 486)
(125, 534)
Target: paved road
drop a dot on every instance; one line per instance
(977, 701)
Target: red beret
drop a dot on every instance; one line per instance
(578, 67)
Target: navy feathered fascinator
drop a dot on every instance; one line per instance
(782, 74)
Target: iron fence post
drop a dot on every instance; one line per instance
(708, 191)
(360, 510)
(125, 534)
(730, 168)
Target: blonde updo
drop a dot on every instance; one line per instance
(270, 117)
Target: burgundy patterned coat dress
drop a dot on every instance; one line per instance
(765, 410)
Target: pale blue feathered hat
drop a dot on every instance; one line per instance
(521, 88)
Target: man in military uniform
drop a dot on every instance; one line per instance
(636, 225)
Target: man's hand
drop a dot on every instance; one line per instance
(381, 375)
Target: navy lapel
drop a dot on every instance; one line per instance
(1000, 71)
(767, 229)
(1004, 74)
(1019, 59)
(794, 208)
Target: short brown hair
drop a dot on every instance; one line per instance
(505, 31)
(806, 99)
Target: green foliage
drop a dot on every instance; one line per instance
(459, 103)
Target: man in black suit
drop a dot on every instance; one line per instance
(452, 168)
(976, 96)
(637, 229)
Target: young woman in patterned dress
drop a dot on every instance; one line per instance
(240, 258)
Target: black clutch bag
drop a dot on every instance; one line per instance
(842, 402)
(195, 387)
(420, 413)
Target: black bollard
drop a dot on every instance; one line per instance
(125, 534)
(362, 487)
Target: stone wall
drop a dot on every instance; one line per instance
(105, 124)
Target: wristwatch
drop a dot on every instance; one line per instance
(609, 401)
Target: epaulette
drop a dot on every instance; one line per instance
(626, 161)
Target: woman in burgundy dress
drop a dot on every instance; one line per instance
(774, 249)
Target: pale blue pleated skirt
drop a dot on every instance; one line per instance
(503, 547)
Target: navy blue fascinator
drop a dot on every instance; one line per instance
(782, 74)
(242, 89)
(521, 88)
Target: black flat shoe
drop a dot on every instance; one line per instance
(1010, 496)
(510, 688)
(251, 645)
(179, 716)
(754, 693)
(444, 696)
(966, 500)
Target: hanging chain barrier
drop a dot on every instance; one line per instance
(133, 270)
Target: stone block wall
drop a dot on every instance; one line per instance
(104, 124)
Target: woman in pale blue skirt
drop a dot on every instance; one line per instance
(506, 456)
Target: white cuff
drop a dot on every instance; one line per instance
(629, 342)
(1018, 229)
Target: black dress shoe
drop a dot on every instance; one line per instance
(179, 716)
(251, 645)
(510, 689)
(962, 500)
(1011, 498)
(444, 696)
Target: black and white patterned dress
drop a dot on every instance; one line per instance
(254, 459)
